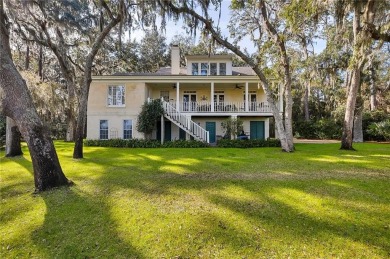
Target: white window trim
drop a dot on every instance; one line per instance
(108, 92)
(108, 129)
(199, 71)
(131, 128)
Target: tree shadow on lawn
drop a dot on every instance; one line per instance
(274, 205)
(76, 224)
(67, 232)
(281, 207)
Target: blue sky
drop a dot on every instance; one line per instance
(173, 29)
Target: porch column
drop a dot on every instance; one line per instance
(246, 97)
(212, 96)
(162, 129)
(177, 96)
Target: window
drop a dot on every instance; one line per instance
(195, 67)
(127, 129)
(103, 129)
(165, 95)
(222, 69)
(116, 95)
(204, 67)
(213, 69)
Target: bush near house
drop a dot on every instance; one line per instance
(144, 143)
(249, 143)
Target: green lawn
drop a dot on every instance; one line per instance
(318, 202)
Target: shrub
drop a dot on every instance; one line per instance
(320, 129)
(144, 143)
(304, 129)
(380, 130)
(328, 129)
(249, 143)
(150, 113)
(232, 127)
(369, 119)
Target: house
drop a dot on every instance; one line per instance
(196, 99)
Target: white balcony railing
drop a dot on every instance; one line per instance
(185, 123)
(228, 107)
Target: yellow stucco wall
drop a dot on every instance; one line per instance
(135, 95)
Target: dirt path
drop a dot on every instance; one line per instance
(316, 141)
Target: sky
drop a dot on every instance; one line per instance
(173, 29)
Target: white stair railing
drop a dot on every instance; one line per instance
(185, 123)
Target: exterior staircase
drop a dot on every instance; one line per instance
(186, 124)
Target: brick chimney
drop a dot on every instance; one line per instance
(175, 60)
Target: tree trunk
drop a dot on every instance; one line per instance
(27, 61)
(284, 60)
(373, 101)
(86, 83)
(358, 125)
(40, 63)
(346, 141)
(354, 83)
(306, 102)
(16, 103)
(12, 142)
(70, 127)
(362, 40)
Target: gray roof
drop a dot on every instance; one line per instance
(166, 71)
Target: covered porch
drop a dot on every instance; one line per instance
(213, 96)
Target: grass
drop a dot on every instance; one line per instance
(318, 202)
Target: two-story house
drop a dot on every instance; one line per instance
(196, 99)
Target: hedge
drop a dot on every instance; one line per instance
(248, 143)
(144, 143)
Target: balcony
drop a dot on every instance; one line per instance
(225, 107)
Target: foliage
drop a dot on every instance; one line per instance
(50, 100)
(214, 202)
(150, 113)
(371, 124)
(152, 52)
(248, 143)
(144, 143)
(232, 127)
(380, 130)
(185, 144)
(320, 129)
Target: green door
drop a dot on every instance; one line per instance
(210, 127)
(167, 136)
(257, 129)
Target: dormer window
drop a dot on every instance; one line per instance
(222, 69)
(209, 65)
(213, 69)
(195, 67)
(204, 67)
